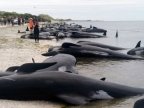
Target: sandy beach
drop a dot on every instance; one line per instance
(16, 51)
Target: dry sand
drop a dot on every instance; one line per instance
(16, 51)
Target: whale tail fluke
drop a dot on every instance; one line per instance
(138, 44)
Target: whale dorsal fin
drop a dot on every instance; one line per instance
(138, 44)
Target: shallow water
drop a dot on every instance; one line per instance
(127, 72)
(16, 51)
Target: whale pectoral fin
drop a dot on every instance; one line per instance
(32, 67)
(74, 100)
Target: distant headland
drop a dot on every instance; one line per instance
(40, 17)
(26, 16)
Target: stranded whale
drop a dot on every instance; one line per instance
(68, 87)
(83, 50)
(60, 62)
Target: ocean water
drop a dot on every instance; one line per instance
(127, 72)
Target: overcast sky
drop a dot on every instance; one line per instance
(109, 10)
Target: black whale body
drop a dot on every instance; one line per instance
(139, 103)
(79, 34)
(42, 35)
(5, 74)
(68, 87)
(60, 62)
(95, 29)
(100, 45)
(83, 50)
